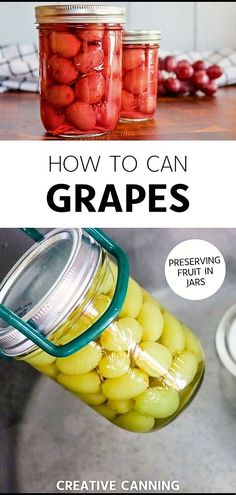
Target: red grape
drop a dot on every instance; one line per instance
(127, 100)
(160, 76)
(90, 88)
(185, 88)
(210, 88)
(161, 63)
(62, 69)
(200, 78)
(172, 85)
(199, 65)
(51, 117)
(184, 72)
(214, 71)
(170, 63)
(161, 89)
(133, 58)
(89, 59)
(81, 115)
(60, 96)
(182, 63)
(64, 44)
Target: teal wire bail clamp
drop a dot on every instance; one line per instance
(98, 326)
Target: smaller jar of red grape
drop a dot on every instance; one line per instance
(139, 75)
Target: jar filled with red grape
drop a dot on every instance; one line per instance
(139, 75)
(80, 50)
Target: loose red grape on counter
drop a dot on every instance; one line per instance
(182, 77)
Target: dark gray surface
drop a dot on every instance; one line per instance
(47, 434)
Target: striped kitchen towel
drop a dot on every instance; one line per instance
(19, 65)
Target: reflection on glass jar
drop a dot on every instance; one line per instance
(80, 68)
(139, 79)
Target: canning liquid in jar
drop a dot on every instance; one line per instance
(142, 370)
(139, 75)
(80, 68)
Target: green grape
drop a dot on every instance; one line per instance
(50, 370)
(98, 306)
(76, 328)
(120, 406)
(134, 421)
(158, 402)
(114, 271)
(182, 371)
(93, 399)
(122, 335)
(114, 364)
(173, 335)
(108, 281)
(152, 322)
(153, 358)
(133, 300)
(82, 361)
(150, 299)
(105, 411)
(126, 386)
(89, 383)
(192, 344)
(39, 358)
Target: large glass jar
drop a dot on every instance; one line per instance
(80, 49)
(139, 75)
(140, 372)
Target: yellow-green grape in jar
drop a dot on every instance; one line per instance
(114, 271)
(136, 422)
(192, 344)
(108, 281)
(114, 364)
(149, 298)
(77, 327)
(39, 359)
(151, 320)
(93, 399)
(120, 406)
(126, 386)
(89, 383)
(98, 306)
(82, 361)
(133, 301)
(173, 335)
(153, 358)
(50, 370)
(122, 335)
(182, 371)
(105, 411)
(158, 402)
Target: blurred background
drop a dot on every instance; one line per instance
(185, 25)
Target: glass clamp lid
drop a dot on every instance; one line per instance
(46, 284)
(80, 13)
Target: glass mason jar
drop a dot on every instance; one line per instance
(140, 371)
(139, 75)
(80, 50)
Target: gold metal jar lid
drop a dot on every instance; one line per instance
(137, 37)
(46, 14)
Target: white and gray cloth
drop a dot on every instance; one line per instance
(19, 65)
(19, 68)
